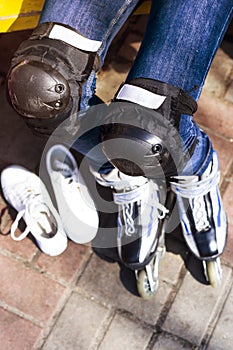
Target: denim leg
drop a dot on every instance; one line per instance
(95, 19)
(180, 42)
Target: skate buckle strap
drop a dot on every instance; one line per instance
(130, 196)
(195, 189)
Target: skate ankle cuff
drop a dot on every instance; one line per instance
(67, 34)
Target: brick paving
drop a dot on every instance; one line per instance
(80, 301)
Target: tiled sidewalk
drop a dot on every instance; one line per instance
(78, 301)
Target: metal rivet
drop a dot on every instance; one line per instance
(157, 148)
(59, 88)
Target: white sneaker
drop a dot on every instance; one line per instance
(24, 191)
(75, 205)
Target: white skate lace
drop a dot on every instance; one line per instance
(192, 188)
(39, 212)
(126, 201)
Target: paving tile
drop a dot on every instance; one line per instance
(169, 342)
(17, 333)
(215, 114)
(229, 93)
(108, 81)
(225, 151)
(228, 252)
(222, 338)
(193, 308)
(170, 267)
(228, 204)
(26, 249)
(129, 50)
(28, 290)
(138, 24)
(64, 266)
(219, 74)
(105, 282)
(228, 201)
(124, 333)
(77, 326)
(5, 220)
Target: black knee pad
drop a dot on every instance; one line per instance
(140, 141)
(46, 77)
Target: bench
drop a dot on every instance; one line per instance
(24, 14)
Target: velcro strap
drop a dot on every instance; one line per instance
(67, 34)
(180, 101)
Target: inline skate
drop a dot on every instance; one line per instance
(141, 222)
(203, 219)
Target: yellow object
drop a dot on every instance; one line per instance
(24, 14)
(19, 14)
(144, 8)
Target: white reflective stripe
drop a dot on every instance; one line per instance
(71, 37)
(140, 96)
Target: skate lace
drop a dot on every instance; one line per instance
(27, 197)
(127, 200)
(195, 190)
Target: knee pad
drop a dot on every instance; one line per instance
(141, 141)
(45, 79)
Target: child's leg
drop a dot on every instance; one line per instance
(170, 68)
(96, 20)
(178, 47)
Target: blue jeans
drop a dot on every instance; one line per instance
(178, 47)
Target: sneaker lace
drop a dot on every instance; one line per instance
(29, 197)
(67, 176)
(126, 200)
(63, 168)
(193, 188)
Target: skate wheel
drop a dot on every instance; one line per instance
(214, 272)
(144, 287)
